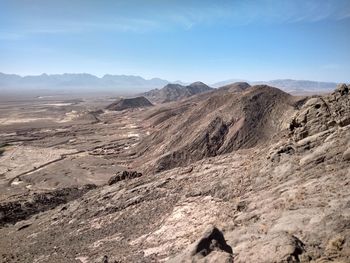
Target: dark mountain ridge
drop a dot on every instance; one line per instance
(129, 103)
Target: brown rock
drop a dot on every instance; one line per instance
(212, 247)
(346, 154)
(120, 176)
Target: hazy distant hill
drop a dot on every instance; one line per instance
(76, 82)
(295, 86)
(126, 84)
(174, 92)
(289, 85)
(226, 82)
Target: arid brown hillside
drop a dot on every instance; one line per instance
(217, 123)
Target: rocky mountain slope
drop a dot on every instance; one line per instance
(129, 103)
(216, 123)
(268, 183)
(175, 92)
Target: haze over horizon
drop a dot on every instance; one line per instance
(178, 40)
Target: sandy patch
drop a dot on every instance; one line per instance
(131, 134)
(20, 159)
(113, 238)
(189, 218)
(58, 104)
(83, 259)
(7, 121)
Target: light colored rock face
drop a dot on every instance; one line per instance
(322, 113)
(346, 154)
(274, 247)
(286, 200)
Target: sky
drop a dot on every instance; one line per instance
(178, 40)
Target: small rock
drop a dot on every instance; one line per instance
(274, 247)
(346, 155)
(105, 259)
(212, 247)
(342, 89)
(213, 239)
(123, 176)
(23, 227)
(335, 244)
(241, 206)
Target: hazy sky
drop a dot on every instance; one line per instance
(187, 40)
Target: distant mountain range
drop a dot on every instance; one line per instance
(124, 84)
(76, 82)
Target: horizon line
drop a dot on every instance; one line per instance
(100, 76)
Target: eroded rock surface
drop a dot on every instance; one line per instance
(319, 114)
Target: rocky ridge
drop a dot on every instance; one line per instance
(218, 123)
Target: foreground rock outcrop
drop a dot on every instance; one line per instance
(320, 114)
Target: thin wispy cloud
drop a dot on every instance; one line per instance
(10, 36)
(331, 66)
(187, 15)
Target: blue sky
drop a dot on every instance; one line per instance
(187, 40)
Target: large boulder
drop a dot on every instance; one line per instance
(320, 114)
(280, 247)
(212, 247)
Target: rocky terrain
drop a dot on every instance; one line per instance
(175, 92)
(239, 174)
(129, 103)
